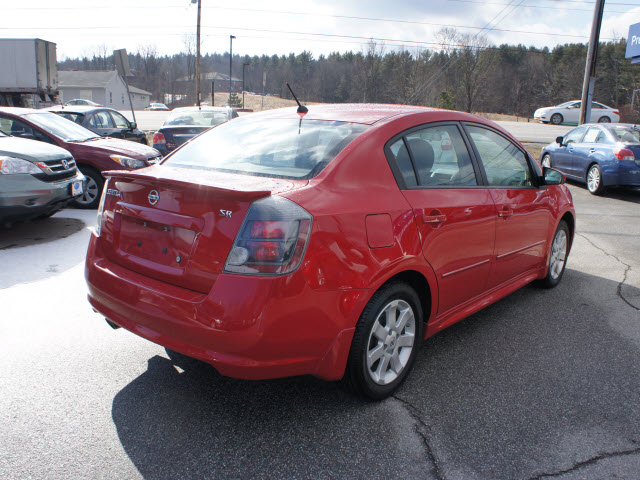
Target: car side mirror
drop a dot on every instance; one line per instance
(553, 176)
(559, 140)
(133, 125)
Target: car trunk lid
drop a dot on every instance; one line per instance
(177, 225)
(176, 136)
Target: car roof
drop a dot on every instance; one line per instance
(365, 113)
(78, 108)
(207, 108)
(20, 111)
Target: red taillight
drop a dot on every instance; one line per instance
(158, 138)
(624, 154)
(261, 229)
(272, 239)
(617, 112)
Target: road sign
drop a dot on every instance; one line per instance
(633, 43)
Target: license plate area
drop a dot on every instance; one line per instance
(158, 243)
(76, 188)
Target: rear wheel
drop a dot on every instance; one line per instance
(557, 256)
(546, 160)
(385, 343)
(604, 120)
(594, 180)
(556, 119)
(93, 190)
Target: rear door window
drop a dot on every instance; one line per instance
(434, 156)
(592, 135)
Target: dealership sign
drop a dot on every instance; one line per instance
(633, 43)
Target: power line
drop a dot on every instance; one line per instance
(536, 6)
(449, 63)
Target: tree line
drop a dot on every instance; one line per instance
(464, 73)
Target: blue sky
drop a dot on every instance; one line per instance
(283, 26)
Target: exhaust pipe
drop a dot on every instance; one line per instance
(111, 324)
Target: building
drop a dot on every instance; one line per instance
(103, 87)
(221, 82)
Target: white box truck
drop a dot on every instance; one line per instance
(28, 71)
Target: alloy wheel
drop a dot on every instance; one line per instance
(391, 341)
(558, 254)
(90, 193)
(593, 179)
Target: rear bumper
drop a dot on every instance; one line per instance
(246, 327)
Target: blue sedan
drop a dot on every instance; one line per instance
(599, 155)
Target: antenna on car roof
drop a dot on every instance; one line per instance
(302, 110)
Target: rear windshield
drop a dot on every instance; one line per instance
(74, 117)
(195, 117)
(626, 134)
(269, 147)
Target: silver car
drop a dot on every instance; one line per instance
(36, 179)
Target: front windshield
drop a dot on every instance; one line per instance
(625, 134)
(60, 127)
(197, 117)
(565, 104)
(272, 148)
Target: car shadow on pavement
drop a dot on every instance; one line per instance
(530, 385)
(195, 423)
(619, 193)
(41, 230)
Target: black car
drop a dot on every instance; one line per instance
(106, 122)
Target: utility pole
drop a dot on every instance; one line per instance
(243, 65)
(590, 67)
(231, 37)
(198, 53)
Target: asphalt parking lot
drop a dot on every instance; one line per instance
(543, 384)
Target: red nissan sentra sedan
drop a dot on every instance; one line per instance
(329, 245)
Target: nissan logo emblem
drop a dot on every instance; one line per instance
(65, 164)
(154, 196)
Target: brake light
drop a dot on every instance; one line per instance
(158, 138)
(624, 154)
(617, 112)
(272, 239)
(101, 207)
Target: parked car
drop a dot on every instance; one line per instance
(599, 155)
(569, 112)
(156, 106)
(81, 101)
(106, 122)
(275, 245)
(185, 123)
(36, 179)
(92, 153)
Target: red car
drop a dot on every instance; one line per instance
(328, 244)
(93, 153)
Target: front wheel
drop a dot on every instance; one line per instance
(557, 256)
(556, 119)
(546, 160)
(387, 338)
(91, 195)
(594, 180)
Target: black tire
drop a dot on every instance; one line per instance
(604, 119)
(556, 119)
(556, 271)
(594, 180)
(546, 159)
(93, 190)
(401, 299)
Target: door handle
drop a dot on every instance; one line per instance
(433, 219)
(505, 212)
(591, 150)
(571, 149)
